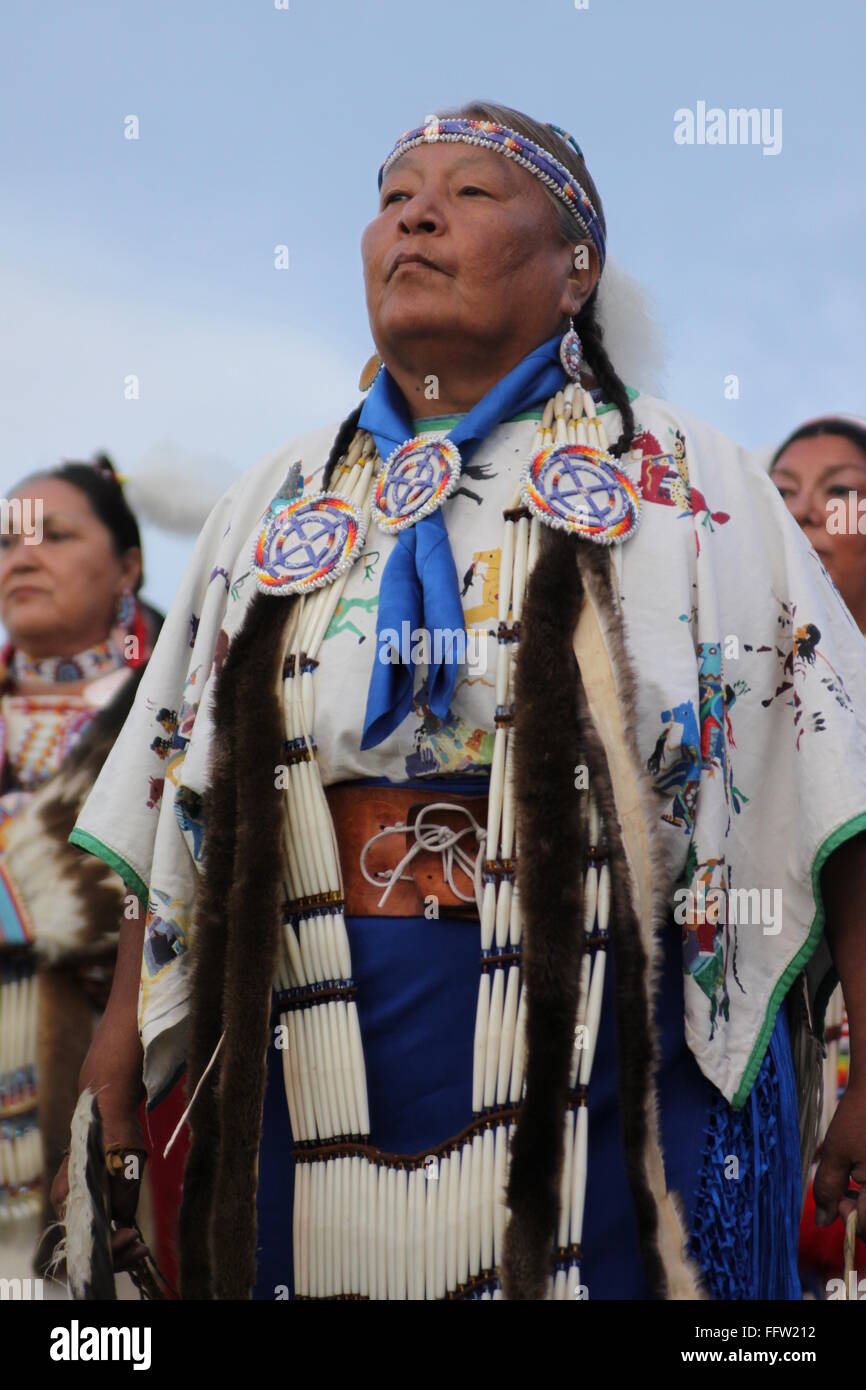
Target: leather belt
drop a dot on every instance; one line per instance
(361, 812)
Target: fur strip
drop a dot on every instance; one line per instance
(73, 901)
(640, 912)
(234, 962)
(87, 1246)
(550, 830)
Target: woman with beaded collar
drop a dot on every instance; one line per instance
(79, 639)
(618, 749)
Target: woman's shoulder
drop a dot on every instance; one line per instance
(664, 427)
(310, 451)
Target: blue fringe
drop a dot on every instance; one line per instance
(745, 1229)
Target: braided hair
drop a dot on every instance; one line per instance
(340, 446)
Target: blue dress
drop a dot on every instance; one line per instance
(417, 983)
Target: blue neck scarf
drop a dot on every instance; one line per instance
(419, 583)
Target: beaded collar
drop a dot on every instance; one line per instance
(63, 670)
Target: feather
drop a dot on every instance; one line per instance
(176, 489)
(633, 338)
(87, 1244)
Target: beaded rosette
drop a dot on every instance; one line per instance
(415, 480)
(578, 488)
(306, 542)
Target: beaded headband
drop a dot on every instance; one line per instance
(540, 162)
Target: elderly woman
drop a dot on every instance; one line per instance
(820, 470)
(389, 862)
(79, 640)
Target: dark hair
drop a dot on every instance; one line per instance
(101, 486)
(828, 425)
(586, 322)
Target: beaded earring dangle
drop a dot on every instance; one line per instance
(125, 608)
(571, 352)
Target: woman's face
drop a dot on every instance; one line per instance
(811, 473)
(60, 596)
(495, 270)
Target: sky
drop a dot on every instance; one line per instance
(261, 126)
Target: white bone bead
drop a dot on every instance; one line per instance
(515, 921)
(488, 909)
(317, 1233)
(463, 1200)
(364, 1170)
(339, 1228)
(355, 1209)
(330, 1221)
(500, 1210)
(431, 1198)
(494, 1033)
(604, 898)
(590, 898)
(442, 1201)
(304, 1171)
(516, 1087)
(565, 1184)
(288, 1057)
(347, 1074)
(373, 1230)
(503, 911)
(382, 1233)
(506, 566)
(339, 1067)
(534, 541)
(358, 1069)
(521, 551)
(578, 1175)
(410, 1236)
(305, 949)
(326, 1070)
(311, 1054)
(452, 1223)
(475, 1202)
(297, 1240)
(503, 670)
(391, 1246)
(416, 1249)
(294, 952)
(494, 803)
(400, 1235)
(482, 1012)
(593, 1014)
(487, 1163)
(506, 1041)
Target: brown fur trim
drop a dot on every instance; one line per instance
(635, 929)
(73, 901)
(235, 959)
(553, 732)
(550, 814)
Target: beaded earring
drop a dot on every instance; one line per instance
(571, 352)
(369, 372)
(125, 608)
